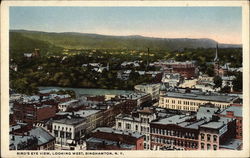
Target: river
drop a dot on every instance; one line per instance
(88, 91)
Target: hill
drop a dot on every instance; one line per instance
(24, 40)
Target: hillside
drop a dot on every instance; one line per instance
(25, 40)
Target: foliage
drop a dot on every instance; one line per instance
(217, 81)
(237, 82)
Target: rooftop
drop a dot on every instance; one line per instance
(232, 144)
(48, 91)
(121, 132)
(174, 119)
(214, 125)
(198, 96)
(127, 117)
(70, 121)
(42, 135)
(109, 142)
(80, 113)
(236, 109)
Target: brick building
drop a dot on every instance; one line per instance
(235, 111)
(34, 112)
(111, 139)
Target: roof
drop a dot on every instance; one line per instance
(42, 135)
(174, 119)
(146, 111)
(213, 125)
(206, 112)
(109, 142)
(48, 91)
(81, 113)
(233, 144)
(121, 132)
(69, 102)
(18, 140)
(70, 121)
(236, 109)
(198, 96)
(128, 117)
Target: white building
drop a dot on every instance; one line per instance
(68, 132)
(172, 79)
(137, 124)
(152, 89)
(69, 104)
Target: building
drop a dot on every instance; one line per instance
(94, 118)
(189, 101)
(32, 112)
(138, 98)
(171, 79)
(216, 132)
(45, 140)
(175, 132)
(69, 132)
(205, 83)
(18, 142)
(234, 111)
(187, 69)
(64, 106)
(152, 89)
(139, 124)
(104, 138)
(23, 137)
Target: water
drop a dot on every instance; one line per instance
(88, 91)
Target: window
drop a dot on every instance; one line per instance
(61, 134)
(56, 133)
(215, 147)
(119, 124)
(128, 126)
(202, 136)
(136, 127)
(208, 146)
(68, 135)
(215, 138)
(208, 137)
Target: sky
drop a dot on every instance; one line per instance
(223, 24)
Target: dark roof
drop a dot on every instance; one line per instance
(70, 121)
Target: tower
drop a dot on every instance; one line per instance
(216, 59)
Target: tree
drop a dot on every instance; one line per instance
(217, 81)
(225, 89)
(210, 70)
(237, 82)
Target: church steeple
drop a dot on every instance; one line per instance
(216, 53)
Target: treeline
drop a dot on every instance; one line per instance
(67, 70)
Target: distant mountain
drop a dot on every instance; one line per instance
(23, 39)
